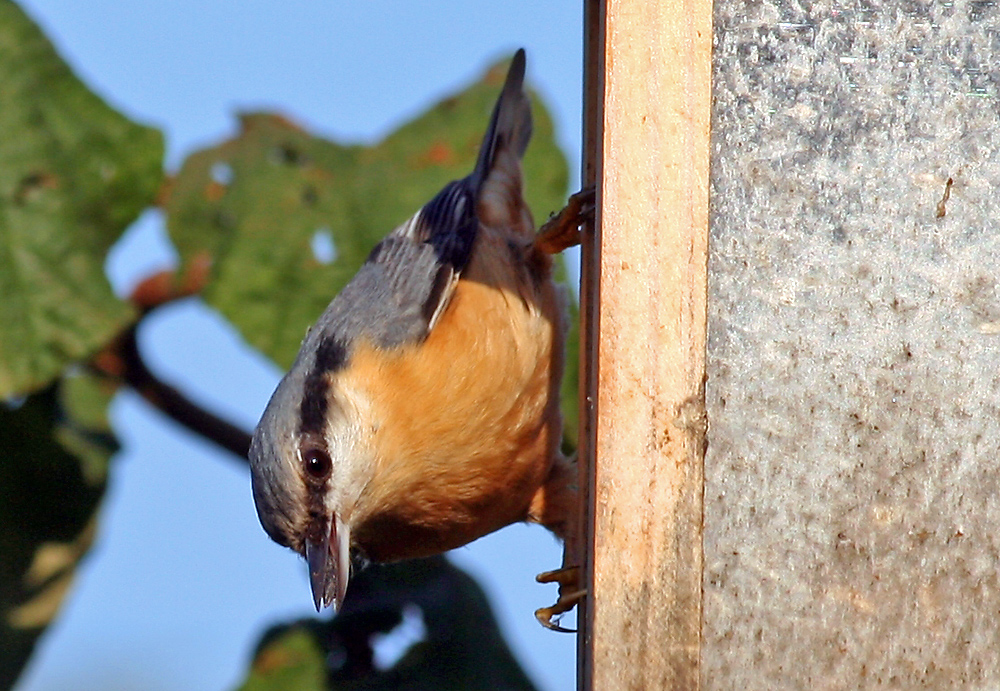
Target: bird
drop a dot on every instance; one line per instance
(422, 410)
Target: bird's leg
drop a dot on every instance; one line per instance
(570, 594)
(562, 230)
(570, 590)
(555, 506)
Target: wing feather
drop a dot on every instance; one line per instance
(408, 280)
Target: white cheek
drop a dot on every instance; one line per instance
(349, 441)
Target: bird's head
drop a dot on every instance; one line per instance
(306, 462)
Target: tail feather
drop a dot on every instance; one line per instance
(510, 125)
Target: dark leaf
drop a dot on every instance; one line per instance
(54, 452)
(462, 648)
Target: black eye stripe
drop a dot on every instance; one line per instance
(331, 356)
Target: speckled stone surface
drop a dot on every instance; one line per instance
(852, 501)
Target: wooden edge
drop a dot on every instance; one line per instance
(593, 60)
(643, 301)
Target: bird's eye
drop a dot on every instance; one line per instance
(317, 463)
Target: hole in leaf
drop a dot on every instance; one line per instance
(323, 247)
(14, 402)
(222, 173)
(389, 648)
(336, 658)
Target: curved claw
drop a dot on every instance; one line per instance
(565, 603)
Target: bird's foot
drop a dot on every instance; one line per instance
(570, 594)
(563, 229)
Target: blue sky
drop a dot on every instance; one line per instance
(183, 581)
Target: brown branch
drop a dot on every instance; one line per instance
(122, 361)
(170, 285)
(176, 405)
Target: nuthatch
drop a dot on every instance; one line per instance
(422, 411)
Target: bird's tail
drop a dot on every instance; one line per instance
(510, 125)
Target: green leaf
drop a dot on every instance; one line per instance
(73, 174)
(254, 204)
(462, 648)
(288, 659)
(54, 452)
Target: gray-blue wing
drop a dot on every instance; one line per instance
(399, 293)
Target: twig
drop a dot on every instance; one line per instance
(122, 360)
(176, 405)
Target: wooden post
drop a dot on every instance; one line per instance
(645, 306)
(593, 98)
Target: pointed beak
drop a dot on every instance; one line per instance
(329, 560)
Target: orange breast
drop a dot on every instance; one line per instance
(466, 424)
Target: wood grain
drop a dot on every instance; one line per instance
(649, 440)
